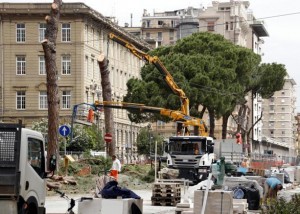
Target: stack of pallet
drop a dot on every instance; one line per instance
(166, 194)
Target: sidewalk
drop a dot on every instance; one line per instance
(58, 205)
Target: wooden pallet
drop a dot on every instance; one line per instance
(164, 203)
(165, 198)
(160, 190)
(166, 185)
(162, 194)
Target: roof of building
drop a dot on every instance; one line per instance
(72, 8)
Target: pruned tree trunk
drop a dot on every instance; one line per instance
(211, 122)
(49, 46)
(224, 125)
(250, 130)
(108, 112)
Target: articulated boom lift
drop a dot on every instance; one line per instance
(162, 69)
(177, 116)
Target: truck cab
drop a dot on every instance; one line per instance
(191, 155)
(22, 170)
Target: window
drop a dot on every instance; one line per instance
(282, 100)
(231, 25)
(66, 32)
(21, 65)
(93, 68)
(21, 100)
(148, 23)
(66, 64)
(159, 36)
(35, 156)
(226, 26)
(147, 35)
(42, 31)
(42, 65)
(43, 103)
(160, 22)
(21, 33)
(210, 26)
(66, 99)
(171, 34)
(282, 92)
(86, 62)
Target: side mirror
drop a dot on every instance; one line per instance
(210, 149)
(166, 148)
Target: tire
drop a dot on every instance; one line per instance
(32, 209)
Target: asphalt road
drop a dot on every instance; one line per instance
(58, 205)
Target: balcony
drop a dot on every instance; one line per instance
(259, 28)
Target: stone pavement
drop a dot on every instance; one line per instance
(58, 205)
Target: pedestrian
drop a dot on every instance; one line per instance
(245, 163)
(116, 167)
(271, 187)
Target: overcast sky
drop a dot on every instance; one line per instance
(281, 18)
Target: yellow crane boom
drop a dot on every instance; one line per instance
(176, 115)
(160, 67)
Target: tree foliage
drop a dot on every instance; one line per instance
(146, 138)
(85, 137)
(212, 71)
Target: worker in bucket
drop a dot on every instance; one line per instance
(116, 167)
(271, 187)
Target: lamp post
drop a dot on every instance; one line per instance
(149, 129)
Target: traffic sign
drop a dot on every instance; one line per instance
(108, 137)
(64, 130)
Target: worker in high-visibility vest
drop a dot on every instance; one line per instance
(90, 117)
(116, 167)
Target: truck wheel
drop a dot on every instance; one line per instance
(31, 209)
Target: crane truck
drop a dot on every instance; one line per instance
(180, 149)
(22, 170)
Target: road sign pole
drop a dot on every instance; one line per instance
(65, 146)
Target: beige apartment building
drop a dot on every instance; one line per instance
(279, 123)
(82, 37)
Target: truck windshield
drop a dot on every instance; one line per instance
(187, 147)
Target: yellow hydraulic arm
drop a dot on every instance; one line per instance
(177, 116)
(162, 69)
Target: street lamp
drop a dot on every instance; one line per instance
(149, 129)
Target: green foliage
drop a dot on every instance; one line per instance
(212, 71)
(282, 206)
(85, 138)
(143, 142)
(272, 79)
(149, 178)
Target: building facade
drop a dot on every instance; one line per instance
(82, 37)
(279, 123)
